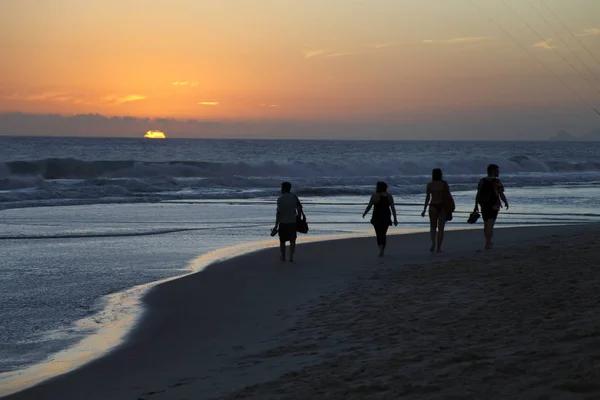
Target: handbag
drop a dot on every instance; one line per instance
(473, 217)
(301, 224)
(448, 201)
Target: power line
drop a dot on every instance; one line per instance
(493, 21)
(581, 43)
(564, 42)
(551, 48)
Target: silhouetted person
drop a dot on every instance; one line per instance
(440, 202)
(288, 206)
(490, 191)
(382, 202)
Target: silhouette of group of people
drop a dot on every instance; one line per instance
(439, 202)
(490, 197)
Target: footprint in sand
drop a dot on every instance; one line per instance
(183, 382)
(154, 392)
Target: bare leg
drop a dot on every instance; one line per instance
(292, 249)
(380, 232)
(440, 235)
(489, 232)
(433, 221)
(282, 249)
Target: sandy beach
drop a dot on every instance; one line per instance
(519, 321)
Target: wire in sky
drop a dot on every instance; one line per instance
(551, 47)
(564, 42)
(581, 43)
(499, 26)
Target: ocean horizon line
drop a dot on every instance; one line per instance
(262, 139)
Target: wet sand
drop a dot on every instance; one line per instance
(519, 321)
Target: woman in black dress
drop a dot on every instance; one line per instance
(383, 208)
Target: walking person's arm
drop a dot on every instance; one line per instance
(503, 198)
(476, 209)
(277, 215)
(500, 189)
(393, 210)
(371, 202)
(299, 208)
(427, 198)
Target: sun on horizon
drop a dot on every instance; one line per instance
(155, 134)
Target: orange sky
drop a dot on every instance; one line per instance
(289, 59)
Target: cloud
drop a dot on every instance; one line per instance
(44, 96)
(59, 97)
(331, 55)
(94, 125)
(208, 103)
(545, 44)
(65, 99)
(325, 54)
(124, 99)
(458, 40)
(590, 32)
(380, 45)
(270, 105)
(313, 53)
(185, 83)
(131, 97)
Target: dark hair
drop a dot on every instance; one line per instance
(436, 174)
(381, 187)
(286, 187)
(491, 168)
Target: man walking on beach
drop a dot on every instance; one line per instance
(288, 206)
(490, 191)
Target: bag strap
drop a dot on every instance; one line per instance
(445, 192)
(301, 206)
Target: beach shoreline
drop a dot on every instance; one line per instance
(126, 310)
(246, 298)
(108, 337)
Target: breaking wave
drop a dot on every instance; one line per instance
(72, 168)
(57, 181)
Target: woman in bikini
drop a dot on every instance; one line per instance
(384, 208)
(441, 206)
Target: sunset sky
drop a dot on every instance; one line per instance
(323, 61)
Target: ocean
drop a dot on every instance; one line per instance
(88, 224)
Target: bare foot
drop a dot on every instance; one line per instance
(439, 251)
(291, 260)
(432, 248)
(282, 258)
